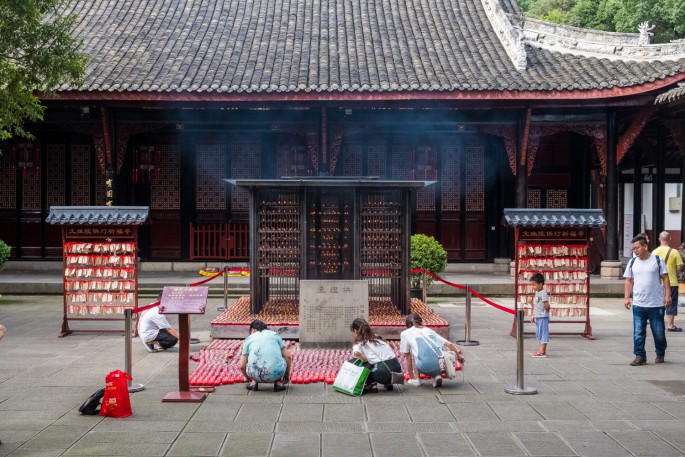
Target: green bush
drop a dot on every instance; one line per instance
(428, 254)
(4, 253)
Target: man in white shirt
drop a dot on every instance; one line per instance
(154, 327)
(647, 279)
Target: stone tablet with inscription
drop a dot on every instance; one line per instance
(183, 300)
(327, 308)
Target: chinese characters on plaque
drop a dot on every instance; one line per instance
(183, 300)
(327, 308)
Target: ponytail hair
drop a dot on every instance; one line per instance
(413, 319)
(364, 333)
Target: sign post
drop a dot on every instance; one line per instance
(184, 301)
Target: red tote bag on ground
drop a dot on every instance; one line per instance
(116, 402)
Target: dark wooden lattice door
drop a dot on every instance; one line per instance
(462, 223)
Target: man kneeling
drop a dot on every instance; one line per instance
(154, 327)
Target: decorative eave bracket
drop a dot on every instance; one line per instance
(628, 138)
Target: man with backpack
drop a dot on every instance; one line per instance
(647, 279)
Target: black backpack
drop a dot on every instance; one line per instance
(91, 407)
(658, 265)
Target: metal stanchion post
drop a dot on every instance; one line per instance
(132, 386)
(467, 341)
(519, 389)
(225, 307)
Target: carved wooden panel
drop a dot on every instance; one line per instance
(245, 164)
(450, 178)
(55, 158)
(80, 174)
(165, 191)
(210, 171)
(475, 178)
(8, 183)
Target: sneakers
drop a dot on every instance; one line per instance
(437, 381)
(149, 346)
(659, 359)
(640, 361)
(414, 382)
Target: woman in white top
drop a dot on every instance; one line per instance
(376, 353)
(422, 348)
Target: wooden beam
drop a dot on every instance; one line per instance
(630, 135)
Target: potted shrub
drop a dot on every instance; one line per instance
(428, 254)
(4, 253)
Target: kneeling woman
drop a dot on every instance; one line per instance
(265, 358)
(380, 357)
(422, 348)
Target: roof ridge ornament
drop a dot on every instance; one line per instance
(511, 36)
(646, 33)
(597, 43)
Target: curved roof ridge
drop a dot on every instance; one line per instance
(595, 43)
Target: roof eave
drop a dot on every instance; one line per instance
(180, 96)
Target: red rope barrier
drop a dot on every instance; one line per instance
(459, 286)
(208, 279)
(143, 308)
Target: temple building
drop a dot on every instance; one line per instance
(501, 110)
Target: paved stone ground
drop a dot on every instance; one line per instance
(590, 401)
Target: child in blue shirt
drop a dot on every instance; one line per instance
(540, 313)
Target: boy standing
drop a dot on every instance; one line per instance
(540, 313)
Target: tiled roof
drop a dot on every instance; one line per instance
(672, 95)
(525, 217)
(98, 215)
(236, 46)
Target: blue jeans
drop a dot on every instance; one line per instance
(655, 316)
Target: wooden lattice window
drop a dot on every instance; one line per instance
(210, 166)
(165, 192)
(31, 198)
(450, 179)
(556, 198)
(8, 184)
(352, 159)
(401, 161)
(376, 163)
(534, 198)
(475, 178)
(56, 179)
(292, 159)
(80, 174)
(245, 164)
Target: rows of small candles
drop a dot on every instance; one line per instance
(286, 312)
(219, 363)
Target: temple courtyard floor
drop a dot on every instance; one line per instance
(589, 400)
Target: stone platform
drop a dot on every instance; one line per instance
(282, 316)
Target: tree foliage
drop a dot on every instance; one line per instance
(613, 15)
(37, 53)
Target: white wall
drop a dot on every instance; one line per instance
(671, 219)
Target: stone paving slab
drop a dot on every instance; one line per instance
(589, 401)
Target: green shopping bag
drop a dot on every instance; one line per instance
(351, 378)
